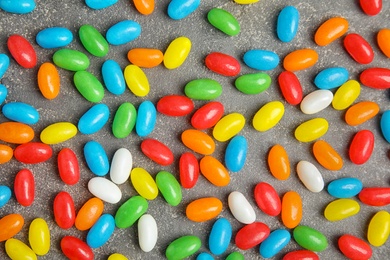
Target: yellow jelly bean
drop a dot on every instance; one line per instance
(58, 133)
(346, 94)
(228, 126)
(340, 209)
(268, 116)
(246, 2)
(144, 183)
(136, 80)
(16, 249)
(39, 236)
(117, 256)
(177, 52)
(379, 228)
(311, 130)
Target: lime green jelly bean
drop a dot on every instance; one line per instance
(268, 116)
(93, 41)
(16, 249)
(136, 80)
(311, 130)
(254, 83)
(88, 86)
(144, 183)
(341, 209)
(39, 236)
(346, 94)
(379, 228)
(124, 120)
(228, 126)
(235, 256)
(177, 52)
(169, 187)
(72, 60)
(224, 21)
(310, 239)
(130, 211)
(183, 247)
(203, 89)
(58, 132)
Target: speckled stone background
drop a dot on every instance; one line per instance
(258, 22)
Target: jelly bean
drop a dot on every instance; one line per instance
(75, 248)
(178, 9)
(222, 64)
(345, 187)
(100, 4)
(379, 228)
(130, 211)
(117, 256)
(124, 120)
(235, 256)
(340, 209)
(301, 254)
(274, 243)
(5, 195)
(203, 209)
(16, 133)
(113, 77)
(346, 94)
(253, 83)
(240, 208)
(331, 78)
(278, 162)
(22, 51)
(145, 57)
(214, 171)
(54, 37)
(96, 158)
(220, 235)
(175, 105)
(157, 151)
(123, 32)
(310, 238)
(136, 80)
(183, 247)
(223, 21)
(268, 116)
(39, 236)
(6, 153)
(104, 190)
(330, 30)
(291, 87)
(245, 2)
(378, 78)
(361, 112)
(204, 256)
(310, 176)
(287, 23)
(228, 126)
(358, 48)
(316, 101)
(382, 38)
(4, 64)
(203, 89)
(24, 187)
(354, 248)
(3, 93)
(384, 123)
(371, 7)
(169, 187)
(72, 60)
(101, 231)
(328, 157)
(16, 249)
(18, 7)
(311, 130)
(64, 210)
(48, 80)
(300, 59)
(144, 183)
(251, 235)
(10, 225)
(188, 170)
(144, 7)
(93, 41)
(207, 115)
(291, 209)
(21, 112)
(94, 119)
(198, 141)
(147, 232)
(375, 196)
(177, 52)
(32, 153)
(267, 199)
(235, 154)
(261, 59)
(89, 213)
(361, 147)
(88, 86)
(146, 119)
(121, 165)
(58, 132)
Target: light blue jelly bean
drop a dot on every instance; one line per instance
(100, 4)
(146, 118)
(287, 24)
(3, 93)
(235, 154)
(275, 242)
(113, 77)
(331, 78)
(4, 64)
(17, 6)
(21, 112)
(123, 32)
(96, 158)
(385, 125)
(261, 59)
(101, 231)
(345, 187)
(179, 9)
(94, 119)
(5, 195)
(54, 37)
(204, 256)
(220, 235)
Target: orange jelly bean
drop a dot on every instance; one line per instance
(16, 133)
(300, 59)
(330, 30)
(198, 141)
(145, 7)
(328, 157)
(6, 153)
(214, 171)
(291, 209)
(48, 80)
(361, 112)
(10, 225)
(203, 209)
(383, 39)
(144, 57)
(278, 162)
(89, 214)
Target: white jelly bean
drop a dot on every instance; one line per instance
(105, 190)
(310, 176)
(121, 165)
(316, 101)
(240, 208)
(147, 232)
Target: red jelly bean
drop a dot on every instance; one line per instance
(301, 255)
(291, 87)
(354, 248)
(223, 64)
(371, 7)
(361, 147)
(207, 115)
(22, 51)
(359, 49)
(157, 151)
(188, 170)
(68, 166)
(175, 105)
(64, 211)
(24, 187)
(75, 248)
(378, 78)
(375, 196)
(267, 199)
(251, 235)
(33, 153)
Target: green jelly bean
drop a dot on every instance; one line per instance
(72, 60)
(203, 89)
(93, 41)
(310, 238)
(224, 21)
(235, 256)
(88, 86)
(130, 211)
(183, 247)
(124, 120)
(254, 83)
(169, 187)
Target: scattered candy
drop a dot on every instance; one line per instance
(100, 4)
(310, 238)
(252, 84)
(340, 209)
(291, 87)
(105, 190)
(330, 78)
(4, 64)
(64, 210)
(378, 78)
(121, 165)
(267, 199)
(88, 86)
(48, 80)
(144, 183)
(33, 153)
(278, 162)
(251, 235)
(183, 247)
(93, 41)
(5, 195)
(96, 158)
(130, 211)
(198, 141)
(177, 52)
(16, 249)
(188, 170)
(175, 105)
(145, 57)
(72, 60)
(354, 248)
(16, 133)
(345, 187)
(73, 247)
(22, 51)
(301, 254)
(291, 209)
(383, 37)
(327, 156)
(261, 59)
(113, 77)
(58, 133)
(316, 101)
(214, 171)
(147, 232)
(203, 209)
(222, 64)
(240, 208)
(24, 187)
(203, 89)
(384, 123)
(361, 147)
(10, 225)
(136, 80)
(310, 176)
(330, 30)
(145, 7)
(101, 231)
(220, 235)
(287, 23)
(89, 213)
(207, 115)
(39, 236)
(346, 95)
(375, 196)
(268, 116)
(6, 153)
(123, 32)
(94, 119)
(371, 7)
(311, 130)
(157, 151)
(18, 7)
(361, 112)
(275, 242)
(223, 21)
(228, 126)
(300, 59)
(178, 9)
(236, 153)
(359, 49)
(54, 37)
(169, 187)
(379, 228)
(124, 120)
(146, 119)
(68, 166)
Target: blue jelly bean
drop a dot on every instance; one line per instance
(123, 32)
(4, 64)
(5, 195)
(146, 118)
(101, 231)
(235, 154)
(345, 187)
(94, 119)
(100, 4)
(3, 93)
(275, 242)
(96, 158)
(204, 256)
(287, 24)
(385, 125)
(21, 112)
(220, 236)
(54, 37)
(17, 6)
(179, 9)
(113, 77)
(331, 78)
(261, 59)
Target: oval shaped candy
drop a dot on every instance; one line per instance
(261, 59)
(251, 235)
(54, 37)
(94, 119)
(240, 208)
(144, 7)
(300, 59)
(58, 132)
(203, 209)
(130, 211)
(169, 187)
(382, 38)
(228, 126)
(378, 78)
(330, 30)
(301, 254)
(48, 80)
(146, 119)
(105, 190)
(178, 9)
(123, 32)
(198, 141)
(157, 151)
(371, 7)
(204, 256)
(328, 157)
(253, 83)
(177, 52)
(93, 41)
(10, 225)
(353, 247)
(101, 231)
(245, 2)
(310, 238)
(16, 249)
(96, 158)
(144, 183)
(340, 209)
(18, 7)
(268, 116)
(89, 213)
(267, 199)
(88, 86)
(330, 78)
(203, 89)
(3, 93)
(100, 4)
(39, 236)
(183, 247)
(222, 64)
(113, 77)
(175, 105)
(145, 57)
(311, 130)
(4, 64)
(223, 21)
(147, 232)
(316, 101)
(72, 60)
(379, 228)
(207, 115)
(346, 94)
(358, 48)
(235, 153)
(5, 195)
(64, 210)
(188, 170)
(220, 235)
(291, 87)
(361, 147)
(124, 120)
(33, 152)
(136, 80)
(6, 153)
(310, 176)
(361, 112)
(345, 187)
(16, 133)
(214, 171)
(274, 243)
(22, 51)
(24, 187)
(375, 196)
(121, 165)
(21, 112)
(384, 123)
(291, 209)
(75, 248)
(278, 162)
(287, 23)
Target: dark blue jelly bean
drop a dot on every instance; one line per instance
(94, 119)
(261, 59)
(54, 37)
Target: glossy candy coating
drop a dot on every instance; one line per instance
(382, 38)
(16, 133)
(310, 176)
(203, 89)
(178, 9)
(375, 196)
(72, 60)
(267, 199)
(3, 93)
(75, 248)
(235, 256)
(177, 52)
(88, 86)
(361, 112)
(361, 147)
(100, 4)
(144, 7)
(300, 59)
(117, 256)
(207, 115)
(169, 187)
(291, 87)
(157, 151)
(32, 153)
(89, 213)
(220, 235)
(340, 209)
(124, 120)
(130, 211)
(121, 165)
(39, 236)
(254, 83)
(113, 77)
(18, 7)
(378, 78)
(330, 78)
(146, 119)
(4, 64)
(58, 132)
(251, 235)
(214, 171)
(222, 64)
(93, 41)
(268, 116)
(204, 256)
(354, 248)
(198, 141)
(358, 48)
(48, 80)
(278, 162)
(145, 57)
(261, 59)
(245, 2)
(223, 21)
(384, 124)
(228, 126)
(96, 158)
(101, 231)
(188, 170)
(371, 7)
(183, 247)
(287, 23)
(175, 105)
(10, 225)
(105, 190)
(301, 254)
(16, 249)
(316, 101)
(136, 80)
(236, 153)
(330, 30)
(379, 228)
(345, 187)
(5, 195)
(54, 37)
(275, 242)
(240, 208)
(327, 156)
(6, 153)
(123, 32)
(291, 209)
(24, 187)
(64, 210)
(346, 94)
(147, 232)
(22, 51)
(203, 209)
(311, 130)
(21, 112)
(144, 183)
(310, 238)
(93, 119)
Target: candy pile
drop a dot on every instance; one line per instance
(185, 165)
